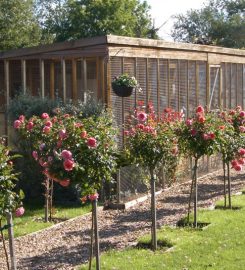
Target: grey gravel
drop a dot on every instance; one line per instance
(66, 245)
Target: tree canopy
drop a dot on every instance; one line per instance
(72, 19)
(221, 22)
(18, 24)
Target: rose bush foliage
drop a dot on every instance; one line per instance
(9, 198)
(71, 150)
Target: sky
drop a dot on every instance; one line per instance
(162, 10)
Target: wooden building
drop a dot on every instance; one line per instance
(176, 75)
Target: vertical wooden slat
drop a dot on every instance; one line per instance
(123, 105)
(168, 83)
(52, 80)
(7, 91)
(102, 71)
(85, 83)
(224, 87)
(230, 86)
(23, 75)
(243, 85)
(74, 79)
(158, 89)
(178, 70)
(147, 82)
(41, 71)
(6, 81)
(98, 80)
(208, 86)
(135, 75)
(63, 67)
(108, 82)
(220, 87)
(188, 91)
(197, 83)
(237, 101)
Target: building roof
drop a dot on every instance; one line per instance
(77, 46)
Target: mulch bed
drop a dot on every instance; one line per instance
(66, 245)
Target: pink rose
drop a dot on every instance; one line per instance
(241, 151)
(35, 155)
(30, 125)
(92, 142)
(44, 116)
(59, 144)
(242, 114)
(48, 124)
(242, 129)
(142, 116)
(140, 126)
(62, 134)
(234, 163)
(232, 112)
(199, 109)
(22, 118)
(238, 168)
(193, 132)
(201, 119)
(211, 136)
(17, 124)
(205, 136)
(83, 134)
(93, 197)
(19, 211)
(189, 122)
(126, 132)
(65, 182)
(46, 129)
(42, 162)
(241, 161)
(66, 154)
(68, 164)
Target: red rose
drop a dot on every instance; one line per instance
(199, 109)
(68, 164)
(92, 142)
(44, 116)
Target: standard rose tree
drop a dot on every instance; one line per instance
(150, 142)
(73, 151)
(197, 136)
(230, 145)
(9, 199)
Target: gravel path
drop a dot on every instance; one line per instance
(65, 246)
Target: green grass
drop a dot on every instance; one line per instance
(32, 220)
(219, 246)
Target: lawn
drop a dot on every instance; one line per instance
(219, 246)
(32, 220)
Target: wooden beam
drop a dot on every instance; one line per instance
(23, 75)
(63, 67)
(178, 70)
(41, 72)
(74, 79)
(52, 94)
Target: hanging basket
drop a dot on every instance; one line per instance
(122, 91)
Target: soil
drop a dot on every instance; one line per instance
(66, 245)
